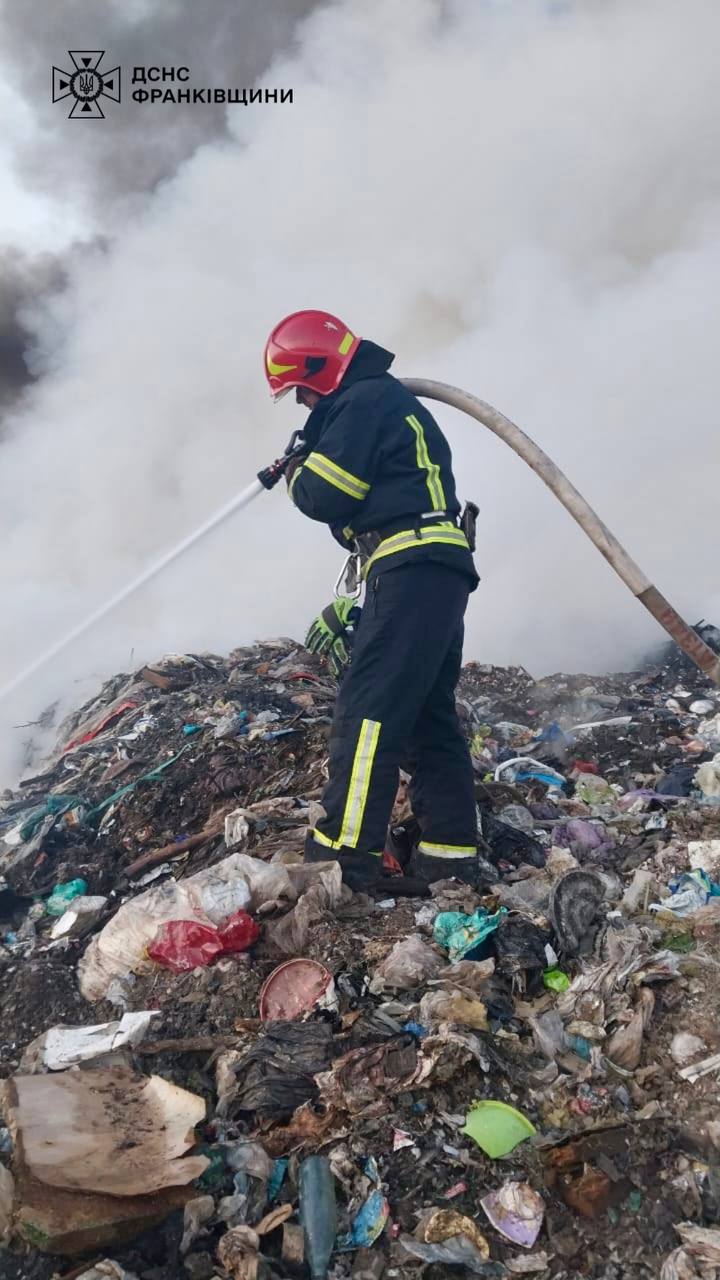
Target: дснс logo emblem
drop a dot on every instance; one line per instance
(86, 84)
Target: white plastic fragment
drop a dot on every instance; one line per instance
(704, 855)
(410, 963)
(703, 1068)
(61, 1047)
(679, 1265)
(79, 918)
(197, 1213)
(684, 1047)
(708, 731)
(107, 1270)
(703, 1243)
(237, 828)
(531, 1262)
(702, 707)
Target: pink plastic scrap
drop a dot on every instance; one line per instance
(455, 1190)
(292, 989)
(516, 1211)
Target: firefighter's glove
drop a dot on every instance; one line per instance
(332, 632)
(331, 625)
(338, 655)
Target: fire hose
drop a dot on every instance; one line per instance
(607, 544)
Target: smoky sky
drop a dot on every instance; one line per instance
(224, 43)
(522, 200)
(112, 166)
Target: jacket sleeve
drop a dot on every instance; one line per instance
(335, 479)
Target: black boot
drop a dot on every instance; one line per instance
(471, 870)
(402, 840)
(364, 872)
(360, 871)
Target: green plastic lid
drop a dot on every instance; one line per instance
(497, 1128)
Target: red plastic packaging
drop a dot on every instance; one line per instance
(182, 945)
(239, 932)
(584, 766)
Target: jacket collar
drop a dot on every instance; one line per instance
(369, 361)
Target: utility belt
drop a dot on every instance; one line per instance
(420, 528)
(434, 527)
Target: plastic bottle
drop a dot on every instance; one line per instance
(318, 1213)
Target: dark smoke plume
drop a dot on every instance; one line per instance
(23, 279)
(110, 166)
(225, 44)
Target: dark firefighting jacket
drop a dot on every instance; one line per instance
(379, 464)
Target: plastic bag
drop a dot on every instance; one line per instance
(208, 898)
(238, 933)
(525, 769)
(463, 934)
(624, 1048)
(410, 963)
(592, 789)
(519, 945)
(708, 731)
(182, 945)
(62, 894)
(689, 892)
(580, 836)
(79, 917)
(517, 816)
(508, 844)
(707, 777)
(457, 1251)
(454, 1007)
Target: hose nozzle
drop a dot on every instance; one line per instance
(269, 476)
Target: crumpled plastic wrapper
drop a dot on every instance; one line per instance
(411, 962)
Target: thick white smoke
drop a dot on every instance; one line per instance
(524, 203)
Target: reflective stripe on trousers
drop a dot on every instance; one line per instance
(358, 789)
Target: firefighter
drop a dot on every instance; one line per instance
(377, 469)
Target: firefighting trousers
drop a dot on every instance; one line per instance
(397, 704)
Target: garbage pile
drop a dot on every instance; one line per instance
(218, 1062)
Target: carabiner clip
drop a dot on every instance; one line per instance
(349, 580)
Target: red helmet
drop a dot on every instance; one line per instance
(308, 349)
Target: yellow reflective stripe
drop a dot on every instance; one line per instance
(335, 844)
(359, 783)
(346, 344)
(434, 484)
(321, 839)
(293, 479)
(445, 533)
(450, 850)
(277, 369)
(333, 474)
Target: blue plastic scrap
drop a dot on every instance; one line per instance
(55, 805)
(462, 934)
(369, 1222)
(276, 1179)
(152, 776)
